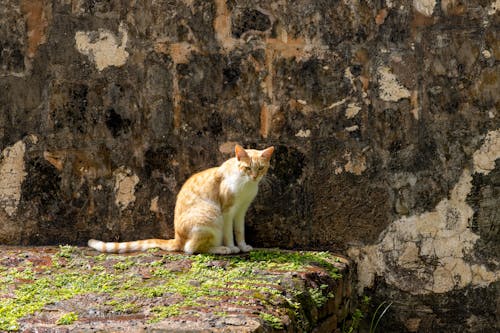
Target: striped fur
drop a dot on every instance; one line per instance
(135, 246)
(210, 208)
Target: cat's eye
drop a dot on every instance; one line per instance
(248, 168)
(261, 168)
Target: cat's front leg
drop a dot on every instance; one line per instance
(228, 237)
(239, 231)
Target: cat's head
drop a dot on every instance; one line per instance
(253, 163)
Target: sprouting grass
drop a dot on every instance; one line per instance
(378, 316)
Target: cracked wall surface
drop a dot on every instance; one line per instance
(384, 115)
(432, 248)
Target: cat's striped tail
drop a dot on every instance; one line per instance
(140, 245)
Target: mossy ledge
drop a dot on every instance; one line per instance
(267, 290)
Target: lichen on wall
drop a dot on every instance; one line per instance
(390, 89)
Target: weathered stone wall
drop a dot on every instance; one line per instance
(385, 116)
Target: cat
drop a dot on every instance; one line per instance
(210, 206)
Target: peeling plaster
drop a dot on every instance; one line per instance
(12, 173)
(390, 89)
(348, 75)
(103, 47)
(484, 158)
(356, 164)
(154, 205)
(495, 5)
(335, 104)
(303, 133)
(424, 7)
(352, 128)
(352, 110)
(426, 253)
(125, 182)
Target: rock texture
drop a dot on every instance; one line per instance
(264, 291)
(384, 115)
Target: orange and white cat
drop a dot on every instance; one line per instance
(210, 208)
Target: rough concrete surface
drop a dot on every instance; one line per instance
(384, 115)
(46, 289)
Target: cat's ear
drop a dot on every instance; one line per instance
(241, 153)
(267, 153)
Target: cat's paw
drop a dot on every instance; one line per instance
(220, 250)
(234, 249)
(245, 248)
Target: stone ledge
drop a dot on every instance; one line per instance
(49, 289)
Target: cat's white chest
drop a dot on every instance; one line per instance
(243, 190)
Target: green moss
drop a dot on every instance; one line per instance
(205, 279)
(33, 292)
(124, 307)
(162, 312)
(220, 313)
(100, 257)
(298, 261)
(66, 251)
(163, 273)
(124, 265)
(67, 318)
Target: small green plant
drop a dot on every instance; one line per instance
(318, 296)
(100, 257)
(162, 272)
(272, 320)
(162, 312)
(124, 307)
(65, 251)
(221, 313)
(67, 319)
(356, 317)
(157, 263)
(123, 265)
